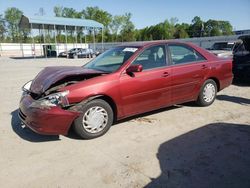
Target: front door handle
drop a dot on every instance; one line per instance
(165, 74)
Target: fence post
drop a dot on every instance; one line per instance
(21, 46)
(0, 49)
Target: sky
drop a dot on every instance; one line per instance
(149, 12)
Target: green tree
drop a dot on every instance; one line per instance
(169, 28)
(97, 14)
(58, 11)
(70, 13)
(218, 28)
(212, 28)
(2, 27)
(181, 30)
(172, 29)
(127, 28)
(115, 26)
(197, 27)
(161, 31)
(101, 16)
(119, 27)
(13, 16)
(226, 28)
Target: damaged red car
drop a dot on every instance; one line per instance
(122, 82)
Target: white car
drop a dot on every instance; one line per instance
(224, 49)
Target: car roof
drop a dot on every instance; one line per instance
(149, 43)
(205, 53)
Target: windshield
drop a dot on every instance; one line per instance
(223, 46)
(74, 49)
(111, 60)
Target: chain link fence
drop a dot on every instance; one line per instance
(27, 50)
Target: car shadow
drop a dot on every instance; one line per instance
(27, 134)
(234, 99)
(216, 155)
(73, 135)
(147, 114)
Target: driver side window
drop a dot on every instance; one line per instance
(152, 57)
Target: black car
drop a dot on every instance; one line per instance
(87, 52)
(66, 53)
(241, 60)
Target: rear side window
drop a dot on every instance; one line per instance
(241, 50)
(181, 54)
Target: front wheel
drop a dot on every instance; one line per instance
(207, 93)
(95, 120)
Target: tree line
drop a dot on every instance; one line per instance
(117, 28)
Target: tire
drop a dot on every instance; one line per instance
(207, 93)
(96, 119)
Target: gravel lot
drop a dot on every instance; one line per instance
(180, 146)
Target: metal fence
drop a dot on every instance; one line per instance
(29, 49)
(204, 42)
(25, 50)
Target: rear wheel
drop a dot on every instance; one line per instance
(95, 120)
(208, 93)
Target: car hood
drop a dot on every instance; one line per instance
(51, 75)
(221, 53)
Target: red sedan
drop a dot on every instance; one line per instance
(124, 81)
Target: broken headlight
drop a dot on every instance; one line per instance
(55, 99)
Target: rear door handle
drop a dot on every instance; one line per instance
(165, 74)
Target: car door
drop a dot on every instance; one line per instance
(188, 70)
(146, 90)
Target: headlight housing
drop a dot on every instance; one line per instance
(55, 99)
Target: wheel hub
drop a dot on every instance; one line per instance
(95, 119)
(209, 92)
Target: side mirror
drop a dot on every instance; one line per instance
(134, 68)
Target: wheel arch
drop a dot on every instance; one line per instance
(106, 98)
(216, 81)
(111, 102)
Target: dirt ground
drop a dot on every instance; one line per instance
(180, 146)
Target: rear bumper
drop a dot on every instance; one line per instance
(226, 82)
(53, 121)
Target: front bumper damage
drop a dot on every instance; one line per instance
(48, 121)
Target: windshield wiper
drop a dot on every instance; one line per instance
(97, 69)
(102, 70)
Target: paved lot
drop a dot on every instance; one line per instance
(180, 146)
